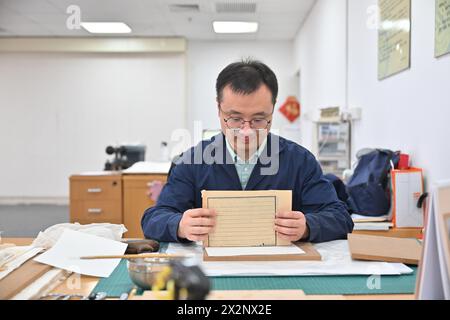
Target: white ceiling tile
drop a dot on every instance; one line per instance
(30, 6)
(277, 18)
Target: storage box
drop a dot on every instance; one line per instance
(407, 187)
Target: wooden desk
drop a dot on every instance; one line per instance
(83, 285)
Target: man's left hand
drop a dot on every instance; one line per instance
(291, 225)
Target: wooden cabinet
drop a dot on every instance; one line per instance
(136, 201)
(112, 198)
(96, 199)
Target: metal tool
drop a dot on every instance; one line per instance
(124, 296)
(62, 296)
(98, 296)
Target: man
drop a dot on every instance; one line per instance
(246, 156)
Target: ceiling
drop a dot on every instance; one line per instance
(192, 19)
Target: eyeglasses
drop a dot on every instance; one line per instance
(239, 123)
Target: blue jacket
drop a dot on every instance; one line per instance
(296, 170)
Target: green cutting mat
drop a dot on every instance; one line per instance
(119, 282)
(322, 285)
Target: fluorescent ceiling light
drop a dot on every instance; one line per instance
(106, 27)
(235, 27)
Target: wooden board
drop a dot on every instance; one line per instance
(231, 295)
(394, 233)
(21, 278)
(376, 248)
(311, 254)
(246, 218)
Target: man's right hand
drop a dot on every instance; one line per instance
(196, 224)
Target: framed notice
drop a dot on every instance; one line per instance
(394, 37)
(442, 33)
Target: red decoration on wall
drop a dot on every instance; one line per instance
(291, 109)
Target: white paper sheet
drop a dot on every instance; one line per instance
(336, 260)
(360, 218)
(148, 167)
(373, 226)
(72, 245)
(97, 173)
(252, 251)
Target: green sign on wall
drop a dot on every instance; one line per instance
(394, 37)
(442, 34)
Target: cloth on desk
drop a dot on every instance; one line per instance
(336, 260)
(50, 236)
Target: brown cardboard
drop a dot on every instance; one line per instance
(311, 254)
(376, 248)
(21, 278)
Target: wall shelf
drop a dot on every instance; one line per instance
(332, 146)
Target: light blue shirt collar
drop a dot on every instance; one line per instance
(253, 159)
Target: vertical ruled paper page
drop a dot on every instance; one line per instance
(243, 221)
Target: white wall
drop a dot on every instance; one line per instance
(320, 55)
(205, 61)
(58, 112)
(408, 111)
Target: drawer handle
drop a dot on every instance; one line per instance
(95, 210)
(94, 190)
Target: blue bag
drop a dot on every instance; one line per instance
(368, 189)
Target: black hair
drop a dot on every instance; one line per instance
(246, 77)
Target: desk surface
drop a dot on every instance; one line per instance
(83, 285)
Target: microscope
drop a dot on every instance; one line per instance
(124, 156)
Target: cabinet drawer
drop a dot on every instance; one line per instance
(110, 189)
(96, 211)
(142, 181)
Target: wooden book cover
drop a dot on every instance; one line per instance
(387, 249)
(246, 218)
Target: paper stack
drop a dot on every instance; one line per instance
(371, 223)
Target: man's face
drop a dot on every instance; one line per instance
(255, 106)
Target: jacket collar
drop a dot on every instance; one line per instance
(218, 142)
(274, 146)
